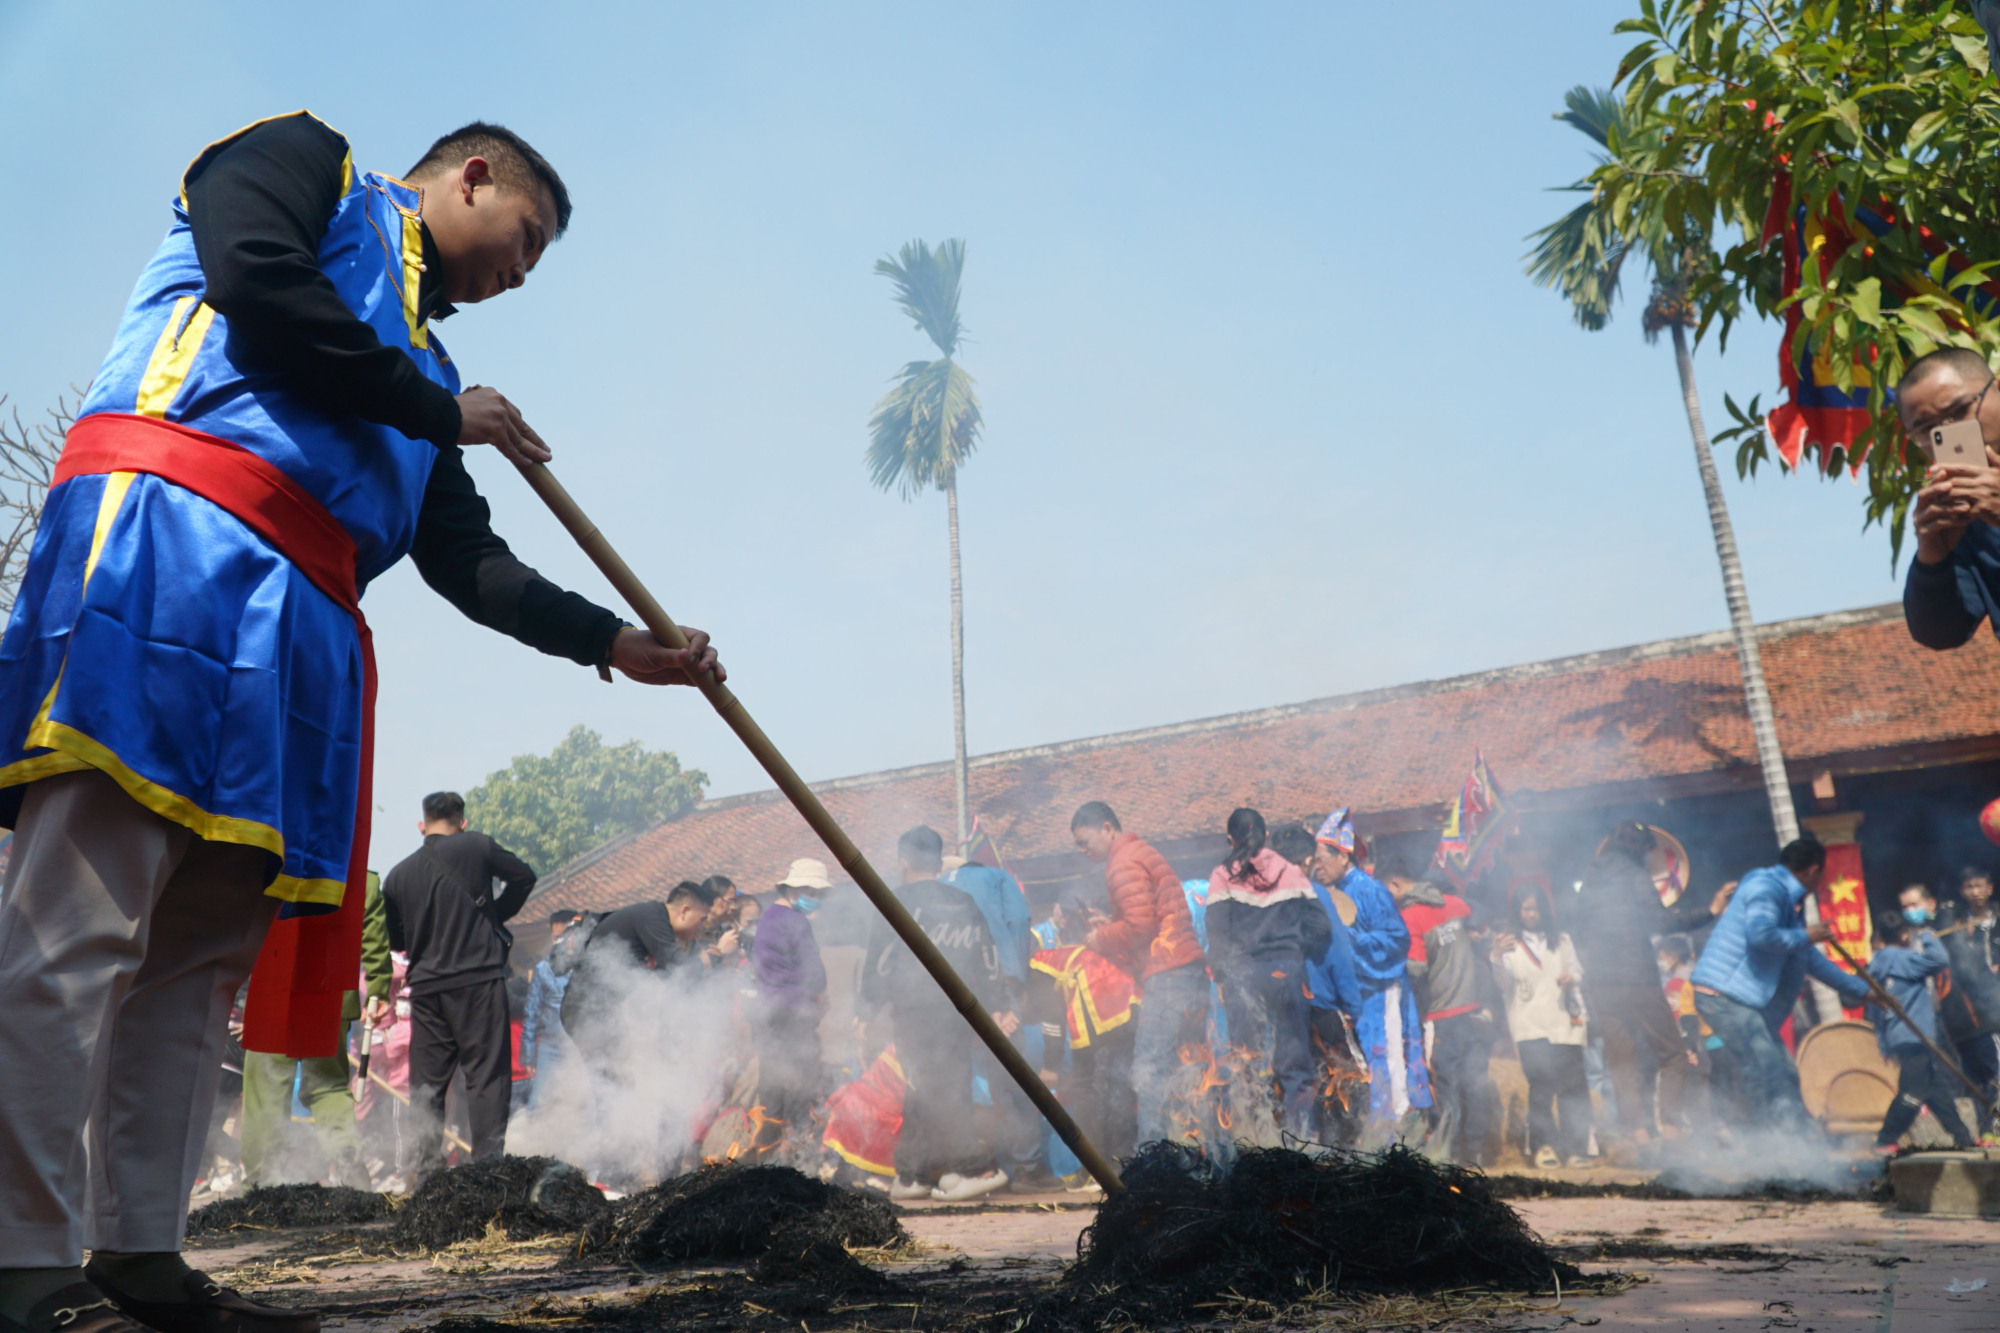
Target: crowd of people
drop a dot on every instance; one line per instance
(1302, 992)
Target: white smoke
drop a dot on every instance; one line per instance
(625, 1108)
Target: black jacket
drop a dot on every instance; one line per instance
(1613, 921)
(893, 977)
(441, 909)
(640, 936)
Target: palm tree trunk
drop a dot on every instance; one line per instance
(957, 665)
(1756, 695)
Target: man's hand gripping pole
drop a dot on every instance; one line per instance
(650, 613)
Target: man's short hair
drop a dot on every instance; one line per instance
(515, 165)
(1890, 926)
(1973, 872)
(1677, 947)
(921, 848)
(562, 916)
(688, 889)
(1094, 814)
(719, 886)
(1961, 359)
(440, 805)
(1803, 854)
(1924, 889)
(1292, 842)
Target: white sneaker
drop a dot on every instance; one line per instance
(910, 1189)
(954, 1188)
(1081, 1182)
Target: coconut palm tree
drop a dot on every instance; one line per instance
(925, 428)
(1583, 255)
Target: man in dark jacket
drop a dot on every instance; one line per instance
(657, 939)
(1979, 1055)
(1613, 922)
(939, 1154)
(442, 912)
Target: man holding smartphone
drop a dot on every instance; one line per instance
(1954, 581)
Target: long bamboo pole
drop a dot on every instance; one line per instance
(650, 613)
(1889, 1001)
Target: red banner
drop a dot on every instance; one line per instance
(1843, 904)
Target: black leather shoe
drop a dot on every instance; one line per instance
(209, 1308)
(77, 1308)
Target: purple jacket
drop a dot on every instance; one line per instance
(786, 959)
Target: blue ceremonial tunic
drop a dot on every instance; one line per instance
(157, 638)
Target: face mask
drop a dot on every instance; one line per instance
(806, 903)
(1916, 916)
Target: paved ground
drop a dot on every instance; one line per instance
(1712, 1267)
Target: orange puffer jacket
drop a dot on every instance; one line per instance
(1151, 930)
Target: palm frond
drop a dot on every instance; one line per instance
(926, 283)
(924, 428)
(1582, 255)
(1598, 112)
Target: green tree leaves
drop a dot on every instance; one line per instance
(550, 809)
(1879, 106)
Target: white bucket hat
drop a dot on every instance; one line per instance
(806, 873)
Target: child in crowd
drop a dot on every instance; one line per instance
(1676, 960)
(1905, 961)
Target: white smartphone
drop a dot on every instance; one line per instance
(1960, 443)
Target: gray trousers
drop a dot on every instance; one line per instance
(123, 940)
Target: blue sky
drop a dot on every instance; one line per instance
(1271, 411)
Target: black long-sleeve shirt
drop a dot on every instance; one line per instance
(441, 910)
(259, 207)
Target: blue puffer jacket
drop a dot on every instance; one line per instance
(1903, 973)
(1759, 955)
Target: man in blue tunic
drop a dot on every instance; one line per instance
(1389, 1028)
(186, 682)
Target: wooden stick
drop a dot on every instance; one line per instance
(404, 1098)
(1889, 1001)
(621, 577)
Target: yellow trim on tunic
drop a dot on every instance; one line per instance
(173, 355)
(1080, 1003)
(413, 277)
(74, 752)
(108, 505)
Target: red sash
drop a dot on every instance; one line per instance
(309, 963)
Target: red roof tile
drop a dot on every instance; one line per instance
(1852, 692)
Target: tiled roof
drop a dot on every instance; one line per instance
(1852, 693)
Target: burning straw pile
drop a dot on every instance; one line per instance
(1278, 1227)
(733, 1211)
(526, 1197)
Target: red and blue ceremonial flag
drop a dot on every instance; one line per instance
(1477, 827)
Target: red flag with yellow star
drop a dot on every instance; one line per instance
(1843, 904)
